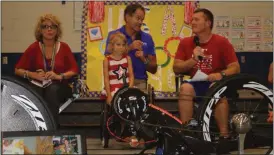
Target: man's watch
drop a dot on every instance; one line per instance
(146, 61)
(223, 74)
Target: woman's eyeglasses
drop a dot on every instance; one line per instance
(54, 27)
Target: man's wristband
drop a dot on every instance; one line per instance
(223, 74)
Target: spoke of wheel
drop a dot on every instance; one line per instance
(3, 89)
(256, 108)
(244, 107)
(249, 108)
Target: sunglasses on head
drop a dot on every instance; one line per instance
(48, 26)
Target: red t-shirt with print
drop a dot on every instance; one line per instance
(219, 52)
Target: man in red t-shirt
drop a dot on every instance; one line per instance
(214, 55)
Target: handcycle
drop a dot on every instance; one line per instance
(110, 124)
(167, 135)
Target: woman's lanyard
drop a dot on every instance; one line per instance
(46, 66)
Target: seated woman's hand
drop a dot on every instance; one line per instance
(41, 72)
(53, 76)
(37, 76)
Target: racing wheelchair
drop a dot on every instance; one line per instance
(168, 137)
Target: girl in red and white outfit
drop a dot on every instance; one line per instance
(117, 65)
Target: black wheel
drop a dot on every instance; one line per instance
(257, 109)
(104, 134)
(22, 108)
(130, 104)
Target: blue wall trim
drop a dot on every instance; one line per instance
(255, 63)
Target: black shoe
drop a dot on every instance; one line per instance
(226, 144)
(227, 138)
(190, 127)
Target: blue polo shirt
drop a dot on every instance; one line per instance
(139, 68)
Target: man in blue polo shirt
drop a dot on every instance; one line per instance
(141, 46)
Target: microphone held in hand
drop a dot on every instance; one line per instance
(200, 58)
(197, 43)
(138, 36)
(196, 40)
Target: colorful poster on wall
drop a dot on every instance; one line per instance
(253, 46)
(238, 44)
(223, 32)
(238, 22)
(254, 22)
(268, 23)
(223, 26)
(238, 33)
(166, 31)
(254, 33)
(222, 22)
(268, 45)
(268, 34)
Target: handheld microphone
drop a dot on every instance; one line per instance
(138, 36)
(196, 40)
(197, 43)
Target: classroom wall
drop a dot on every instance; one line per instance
(240, 8)
(19, 19)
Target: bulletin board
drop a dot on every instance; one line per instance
(164, 21)
(247, 33)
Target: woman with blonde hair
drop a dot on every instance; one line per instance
(49, 60)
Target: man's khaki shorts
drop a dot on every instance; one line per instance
(141, 84)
